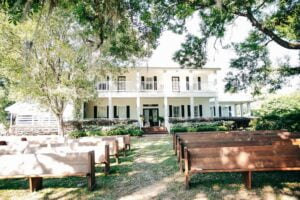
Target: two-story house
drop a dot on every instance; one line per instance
(151, 95)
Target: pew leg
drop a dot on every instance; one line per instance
(187, 182)
(248, 179)
(35, 183)
(91, 181)
(106, 168)
(117, 159)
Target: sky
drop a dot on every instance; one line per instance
(218, 57)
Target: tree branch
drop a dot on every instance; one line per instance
(268, 32)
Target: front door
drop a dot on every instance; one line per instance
(150, 116)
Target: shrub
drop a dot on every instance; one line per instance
(279, 113)
(201, 126)
(236, 122)
(77, 134)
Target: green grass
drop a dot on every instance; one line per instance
(150, 171)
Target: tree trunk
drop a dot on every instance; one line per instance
(61, 130)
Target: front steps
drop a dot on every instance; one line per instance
(155, 130)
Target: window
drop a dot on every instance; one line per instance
(102, 111)
(196, 113)
(175, 83)
(176, 111)
(220, 111)
(182, 111)
(187, 79)
(149, 83)
(121, 83)
(189, 110)
(199, 83)
(104, 85)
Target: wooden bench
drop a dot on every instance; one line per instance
(35, 167)
(113, 145)
(101, 151)
(225, 135)
(233, 140)
(216, 134)
(246, 159)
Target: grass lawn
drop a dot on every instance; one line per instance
(150, 171)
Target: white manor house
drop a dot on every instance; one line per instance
(150, 95)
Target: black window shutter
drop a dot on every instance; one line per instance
(155, 82)
(214, 111)
(107, 112)
(107, 84)
(85, 105)
(220, 111)
(142, 82)
(128, 112)
(230, 114)
(95, 111)
(170, 110)
(115, 112)
(189, 110)
(182, 111)
(200, 111)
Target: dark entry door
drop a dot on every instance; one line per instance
(150, 116)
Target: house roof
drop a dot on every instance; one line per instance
(24, 108)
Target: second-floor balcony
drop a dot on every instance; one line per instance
(154, 86)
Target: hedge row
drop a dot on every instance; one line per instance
(202, 126)
(106, 131)
(239, 122)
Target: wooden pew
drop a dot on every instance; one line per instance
(101, 151)
(113, 145)
(244, 136)
(246, 159)
(217, 133)
(35, 167)
(234, 140)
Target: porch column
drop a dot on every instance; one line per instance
(138, 110)
(11, 118)
(110, 108)
(248, 109)
(217, 107)
(166, 107)
(192, 107)
(82, 111)
(241, 108)
(235, 110)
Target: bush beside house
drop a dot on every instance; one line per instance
(279, 113)
(107, 131)
(202, 126)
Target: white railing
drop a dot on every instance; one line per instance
(149, 86)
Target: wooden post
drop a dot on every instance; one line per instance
(248, 179)
(35, 183)
(186, 167)
(91, 175)
(117, 151)
(107, 163)
(174, 141)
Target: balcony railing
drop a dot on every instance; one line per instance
(148, 86)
